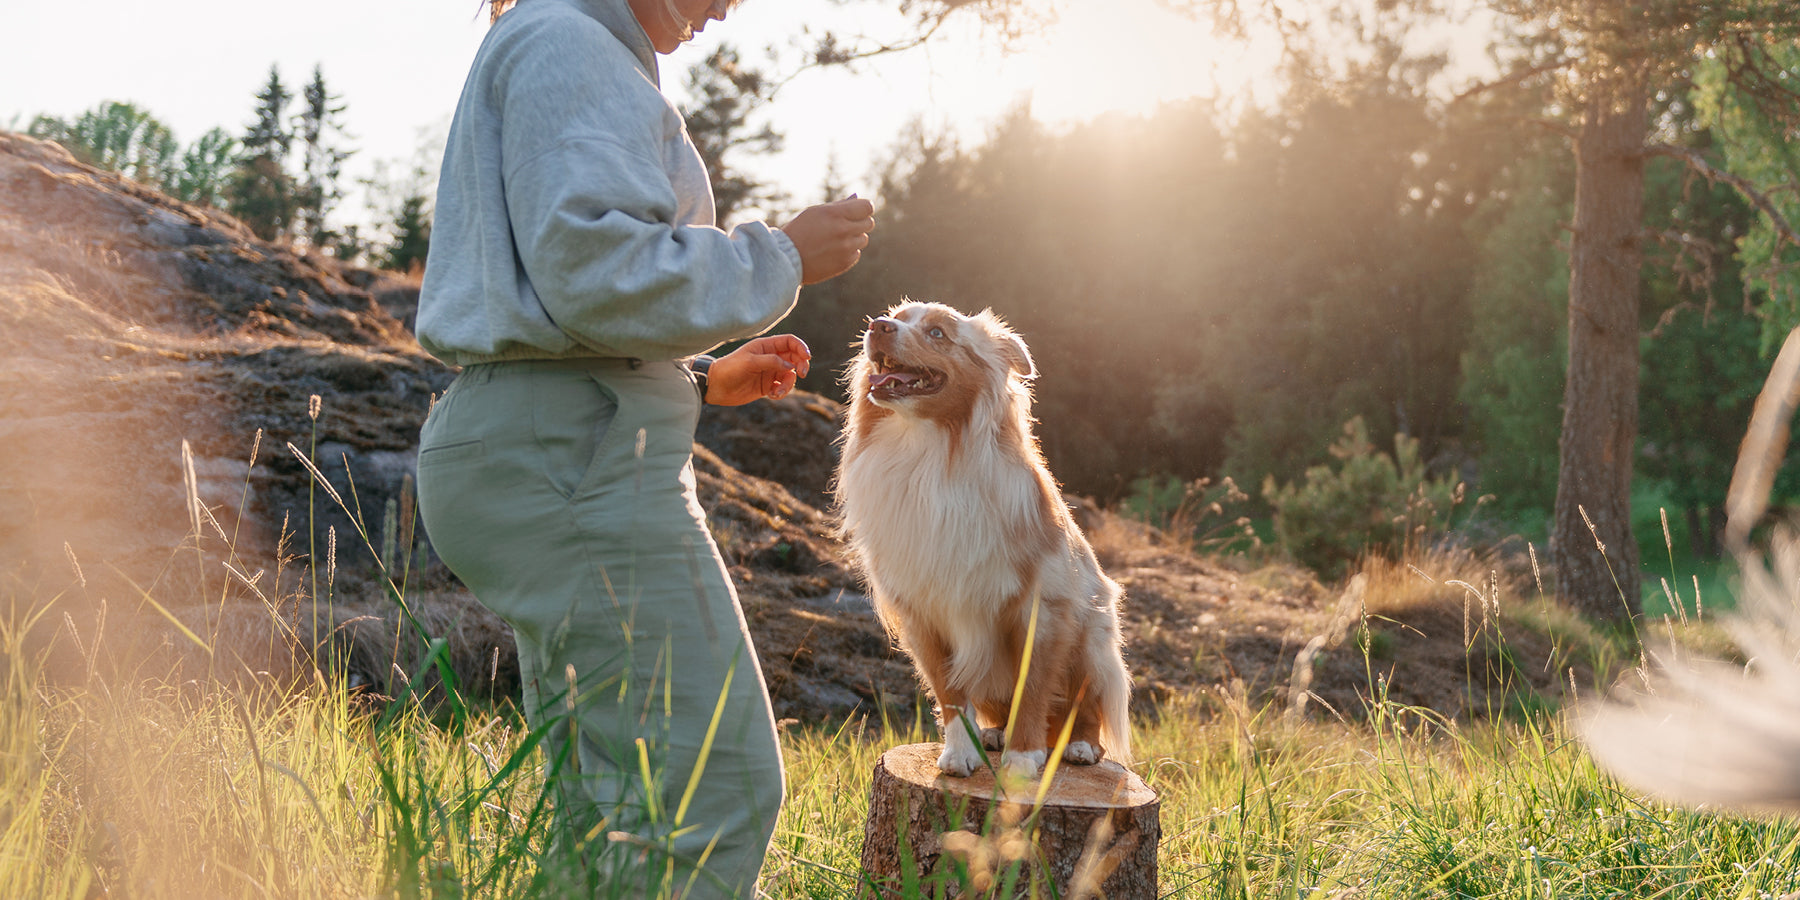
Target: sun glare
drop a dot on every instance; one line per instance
(1131, 56)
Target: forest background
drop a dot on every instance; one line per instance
(1351, 290)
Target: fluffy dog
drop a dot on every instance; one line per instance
(961, 534)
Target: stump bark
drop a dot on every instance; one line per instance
(1094, 834)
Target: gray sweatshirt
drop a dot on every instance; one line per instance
(574, 217)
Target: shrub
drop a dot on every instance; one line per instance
(1370, 503)
(1196, 513)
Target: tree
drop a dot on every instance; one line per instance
(726, 94)
(412, 236)
(204, 170)
(118, 137)
(317, 127)
(261, 193)
(1702, 369)
(1754, 129)
(1602, 66)
(401, 204)
(1613, 57)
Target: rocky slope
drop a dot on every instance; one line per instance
(153, 353)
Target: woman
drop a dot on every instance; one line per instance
(575, 274)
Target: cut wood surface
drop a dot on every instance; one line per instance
(1095, 833)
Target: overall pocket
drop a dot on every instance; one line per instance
(446, 439)
(572, 415)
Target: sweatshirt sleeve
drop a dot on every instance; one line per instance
(597, 222)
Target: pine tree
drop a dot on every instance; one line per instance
(318, 126)
(412, 236)
(1605, 65)
(1619, 57)
(205, 169)
(399, 197)
(261, 193)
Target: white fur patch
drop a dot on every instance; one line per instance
(960, 756)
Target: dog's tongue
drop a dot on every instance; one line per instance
(885, 378)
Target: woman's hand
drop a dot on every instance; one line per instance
(831, 237)
(762, 367)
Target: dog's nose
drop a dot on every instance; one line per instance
(883, 325)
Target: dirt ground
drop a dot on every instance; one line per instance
(1193, 623)
(153, 347)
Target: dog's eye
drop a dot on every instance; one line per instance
(936, 332)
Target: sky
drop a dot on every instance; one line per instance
(398, 65)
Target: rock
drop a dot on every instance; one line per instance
(142, 337)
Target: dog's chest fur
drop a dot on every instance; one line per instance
(945, 535)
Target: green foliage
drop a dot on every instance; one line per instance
(1370, 503)
(261, 192)
(399, 197)
(1512, 371)
(251, 178)
(1745, 93)
(319, 128)
(123, 138)
(412, 236)
(1205, 293)
(118, 137)
(1201, 513)
(205, 166)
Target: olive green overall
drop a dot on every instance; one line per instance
(562, 493)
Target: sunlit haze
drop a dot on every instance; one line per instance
(398, 66)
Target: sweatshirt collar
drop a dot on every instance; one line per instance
(616, 16)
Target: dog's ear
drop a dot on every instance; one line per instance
(1016, 354)
(1012, 347)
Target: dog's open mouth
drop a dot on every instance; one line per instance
(892, 380)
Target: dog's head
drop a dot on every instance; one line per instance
(930, 361)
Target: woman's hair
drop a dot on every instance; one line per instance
(496, 7)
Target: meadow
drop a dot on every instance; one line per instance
(118, 783)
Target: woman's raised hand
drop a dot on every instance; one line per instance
(831, 237)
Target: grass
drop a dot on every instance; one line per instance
(118, 783)
(1676, 581)
(136, 788)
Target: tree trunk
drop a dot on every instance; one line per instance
(1096, 833)
(1597, 568)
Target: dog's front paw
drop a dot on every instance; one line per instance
(959, 758)
(1023, 764)
(1082, 753)
(993, 738)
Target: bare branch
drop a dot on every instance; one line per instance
(1008, 18)
(1668, 316)
(1757, 196)
(1514, 78)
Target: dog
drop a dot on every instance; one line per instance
(961, 534)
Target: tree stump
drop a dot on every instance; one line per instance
(1095, 834)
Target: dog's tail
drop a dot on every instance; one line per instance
(1710, 736)
(1714, 732)
(1114, 684)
